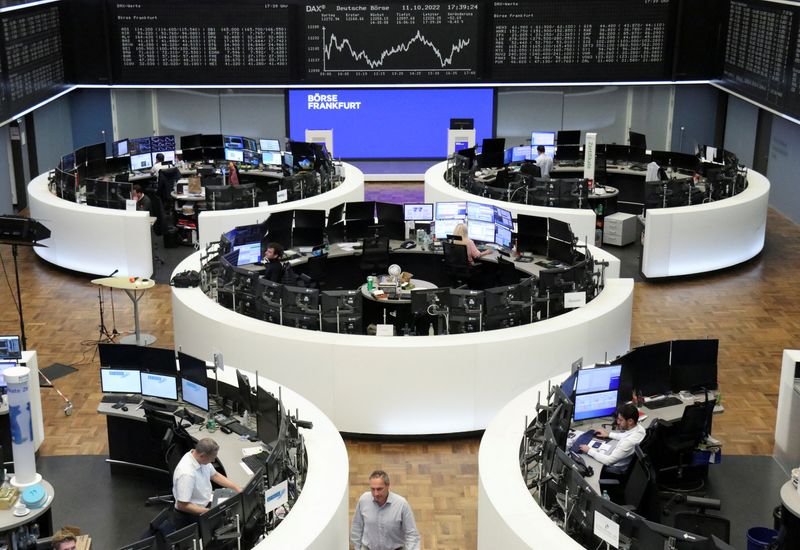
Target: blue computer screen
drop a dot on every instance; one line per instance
(502, 236)
(248, 253)
(503, 217)
(598, 379)
(142, 161)
(481, 231)
(399, 123)
(271, 158)
(480, 212)
(595, 405)
(194, 394)
(451, 210)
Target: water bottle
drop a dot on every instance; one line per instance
(431, 332)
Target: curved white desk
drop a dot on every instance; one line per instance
(437, 189)
(508, 516)
(413, 385)
(212, 224)
(91, 239)
(705, 237)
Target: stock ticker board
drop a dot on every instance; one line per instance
(177, 42)
(392, 42)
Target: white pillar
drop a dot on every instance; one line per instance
(19, 414)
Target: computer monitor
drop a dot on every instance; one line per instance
(120, 355)
(545, 139)
(234, 155)
(271, 158)
(422, 212)
(217, 517)
(341, 301)
(503, 217)
(560, 230)
(162, 144)
(4, 366)
(298, 299)
(502, 236)
(344, 323)
(462, 123)
(253, 497)
(422, 301)
(68, 162)
(694, 365)
(532, 234)
(138, 146)
(142, 161)
(481, 231)
(158, 360)
(193, 369)
(120, 148)
(120, 381)
(192, 141)
(448, 216)
(635, 139)
(272, 145)
(159, 385)
(561, 251)
(187, 538)
(194, 394)
(10, 347)
(568, 137)
(269, 291)
(501, 299)
(595, 405)
(247, 400)
(521, 153)
(598, 379)
(269, 417)
(145, 544)
(249, 253)
(645, 371)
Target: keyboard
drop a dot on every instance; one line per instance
(148, 405)
(238, 429)
(256, 462)
(223, 420)
(128, 399)
(661, 403)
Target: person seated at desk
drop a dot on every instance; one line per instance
(64, 539)
(272, 262)
(628, 434)
(472, 251)
(159, 165)
(143, 202)
(543, 161)
(191, 482)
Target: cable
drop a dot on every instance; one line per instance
(8, 282)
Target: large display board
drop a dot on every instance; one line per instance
(385, 42)
(205, 41)
(32, 60)
(395, 123)
(558, 39)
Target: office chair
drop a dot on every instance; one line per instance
(678, 441)
(456, 264)
(506, 272)
(244, 195)
(375, 255)
(167, 178)
(315, 270)
(703, 524)
(173, 443)
(219, 197)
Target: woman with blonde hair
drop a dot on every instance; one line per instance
(472, 251)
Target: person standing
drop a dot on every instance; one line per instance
(383, 520)
(544, 161)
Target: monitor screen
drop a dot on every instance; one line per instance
(10, 348)
(273, 145)
(480, 212)
(119, 355)
(142, 161)
(542, 138)
(694, 365)
(120, 148)
(68, 162)
(598, 379)
(269, 416)
(248, 253)
(233, 142)
(635, 139)
(193, 369)
(234, 155)
(446, 227)
(568, 137)
(120, 381)
(520, 153)
(418, 212)
(159, 144)
(137, 146)
(481, 231)
(5, 365)
(502, 236)
(194, 394)
(158, 360)
(169, 156)
(503, 217)
(451, 210)
(595, 405)
(159, 385)
(271, 158)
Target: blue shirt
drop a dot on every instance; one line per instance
(384, 527)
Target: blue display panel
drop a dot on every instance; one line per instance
(389, 123)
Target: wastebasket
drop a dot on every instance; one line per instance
(759, 538)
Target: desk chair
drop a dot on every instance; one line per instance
(219, 197)
(703, 524)
(172, 441)
(167, 178)
(506, 272)
(375, 255)
(243, 195)
(315, 270)
(636, 489)
(678, 441)
(456, 264)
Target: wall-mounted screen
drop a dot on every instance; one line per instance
(396, 123)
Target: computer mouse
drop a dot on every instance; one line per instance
(225, 429)
(125, 408)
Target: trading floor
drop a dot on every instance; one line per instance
(753, 308)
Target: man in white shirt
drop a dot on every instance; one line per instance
(543, 161)
(160, 164)
(628, 434)
(383, 520)
(191, 481)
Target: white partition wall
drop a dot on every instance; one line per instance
(91, 239)
(787, 441)
(434, 384)
(212, 224)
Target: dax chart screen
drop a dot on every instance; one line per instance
(392, 42)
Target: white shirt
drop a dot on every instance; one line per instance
(384, 527)
(157, 167)
(652, 172)
(622, 453)
(545, 164)
(191, 481)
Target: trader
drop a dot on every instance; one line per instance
(543, 161)
(191, 482)
(272, 261)
(472, 251)
(160, 164)
(383, 520)
(629, 434)
(143, 202)
(64, 539)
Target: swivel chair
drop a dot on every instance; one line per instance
(506, 272)
(636, 488)
(456, 264)
(172, 442)
(315, 269)
(244, 195)
(375, 255)
(219, 197)
(678, 441)
(167, 178)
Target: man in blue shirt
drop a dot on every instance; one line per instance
(383, 520)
